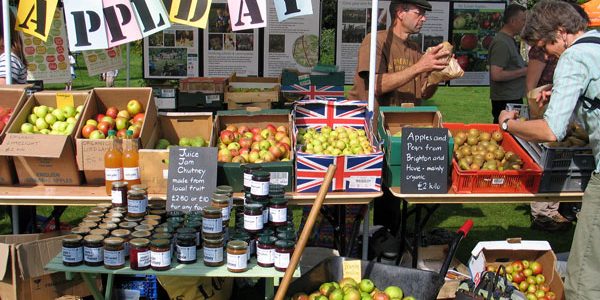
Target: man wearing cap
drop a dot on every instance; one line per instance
(401, 68)
(401, 77)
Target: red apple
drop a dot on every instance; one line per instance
(276, 151)
(257, 138)
(87, 130)
(283, 129)
(234, 152)
(517, 277)
(138, 118)
(134, 107)
(231, 128)
(255, 131)
(537, 268)
(91, 122)
(380, 296)
(243, 129)
(224, 155)
(226, 137)
(104, 127)
(463, 61)
(544, 287)
(487, 41)
(244, 151)
(137, 130)
(280, 135)
(286, 140)
(99, 117)
(238, 159)
(112, 112)
(551, 295)
(120, 123)
(468, 41)
(124, 114)
(122, 133)
(245, 142)
(271, 128)
(517, 266)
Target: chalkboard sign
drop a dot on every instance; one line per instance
(192, 177)
(424, 161)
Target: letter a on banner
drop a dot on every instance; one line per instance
(121, 24)
(151, 16)
(190, 12)
(85, 25)
(34, 17)
(292, 8)
(247, 14)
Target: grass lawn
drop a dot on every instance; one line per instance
(457, 104)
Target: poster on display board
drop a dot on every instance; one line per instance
(101, 61)
(172, 53)
(435, 29)
(226, 51)
(474, 25)
(293, 43)
(354, 22)
(49, 61)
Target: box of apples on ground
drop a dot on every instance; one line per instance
(260, 137)
(120, 109)
(11, 100)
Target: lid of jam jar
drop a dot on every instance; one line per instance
(237, 245)
(139, 242)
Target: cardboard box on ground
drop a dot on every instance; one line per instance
(496, 253)
(42, 159)
(173, 127)
(10, 97)
(90, 153)
(22, 274)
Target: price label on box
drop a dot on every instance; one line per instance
(352, 269)
(64, 99)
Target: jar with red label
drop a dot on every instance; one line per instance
(265, 251)
(139, 254)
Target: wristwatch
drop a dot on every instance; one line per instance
(504, 125)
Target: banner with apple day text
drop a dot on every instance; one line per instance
(101, 61)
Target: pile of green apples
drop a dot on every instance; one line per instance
(183, 142)
(349, 289)
(49, 120)
(338, 141)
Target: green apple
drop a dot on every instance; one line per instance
(26, 128)
(40, 123)
(70, 128)
(45, 131)
(69, 111)
(394, 292)
(184, 142)
(79, 109)
(97, 135)
(71, 120)
(366, 285)
(59, 114)
(50, 119)
(40, 111)
(198, 142)
(32, 118)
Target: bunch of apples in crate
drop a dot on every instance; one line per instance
(49, 120)
(349, 289)
(528, 278)
(131, 118)
(480, 150)
(5, 114)
(338, 141)
(183, 142)
(254, 145)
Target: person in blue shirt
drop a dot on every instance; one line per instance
(559, 29)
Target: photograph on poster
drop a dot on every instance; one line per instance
(244, 42)
(305, 51)
(277, 43)
(381, 19)
(168, 62)
(169, 38)
(215, 42)
(156, 39)
(184, 38)
(218, 18)
(353, 33)
(354, 16)
(229, 42)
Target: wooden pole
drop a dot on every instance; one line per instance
(310, 223)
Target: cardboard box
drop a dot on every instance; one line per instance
(171, 126)
(282, 172)
(165, 97)
(22, 274)
(43, 159)
(355, 173)
(497, 253)
(268, 93)
(392, 119)
(201, 93)
(297, 86)
(90, 153)
(10, 97)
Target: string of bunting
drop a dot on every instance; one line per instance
(100, 24)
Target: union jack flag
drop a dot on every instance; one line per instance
(318, 113)
(321, 92)
(354, 173)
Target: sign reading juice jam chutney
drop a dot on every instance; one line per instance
(192, 177)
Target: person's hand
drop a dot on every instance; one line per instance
(543, 98)
(435, 59)
(505, 114)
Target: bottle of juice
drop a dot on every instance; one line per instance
(113, 162)
(131, 170)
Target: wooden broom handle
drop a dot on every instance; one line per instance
(310, 223)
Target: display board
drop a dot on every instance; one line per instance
(474, 25)
(225, 51)
(424, 161)
(49, 61)
(293, 43)
(172, 53)
(191, 179)
(101, 61)
(435, 29)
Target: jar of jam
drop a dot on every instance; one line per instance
(132, 219)
(237, 256)
(221, 201)
(265, 210)
(186, 230)
(95, 214)
(82, 231)
(93, 253)
(276, 189)
(175, 222)
(283, 254)
(72, 250)
(244, 236)
(141, 234)
(136, 203)
(267, 232)
(111, 220)
(118, 194)
(186, 248)
(143, 228)
(175, 213)
(150, 222)
(90, 225)
(92, 219)
(287, 235)
(128, 225)
(260, 185)
(139, 254)
(265, 251)
(156, 204)
(213, 252)
(160, 254)
(141, 187)
(253, 217)
(278, 211)
(121, 210)
(114, 253)
(212, 221)
(226, 190)
(249, 169)
(125, 235)
(158, 212)
(193, 215)
(108, 226)
(99, 231)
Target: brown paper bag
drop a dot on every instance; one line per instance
(452, 71)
